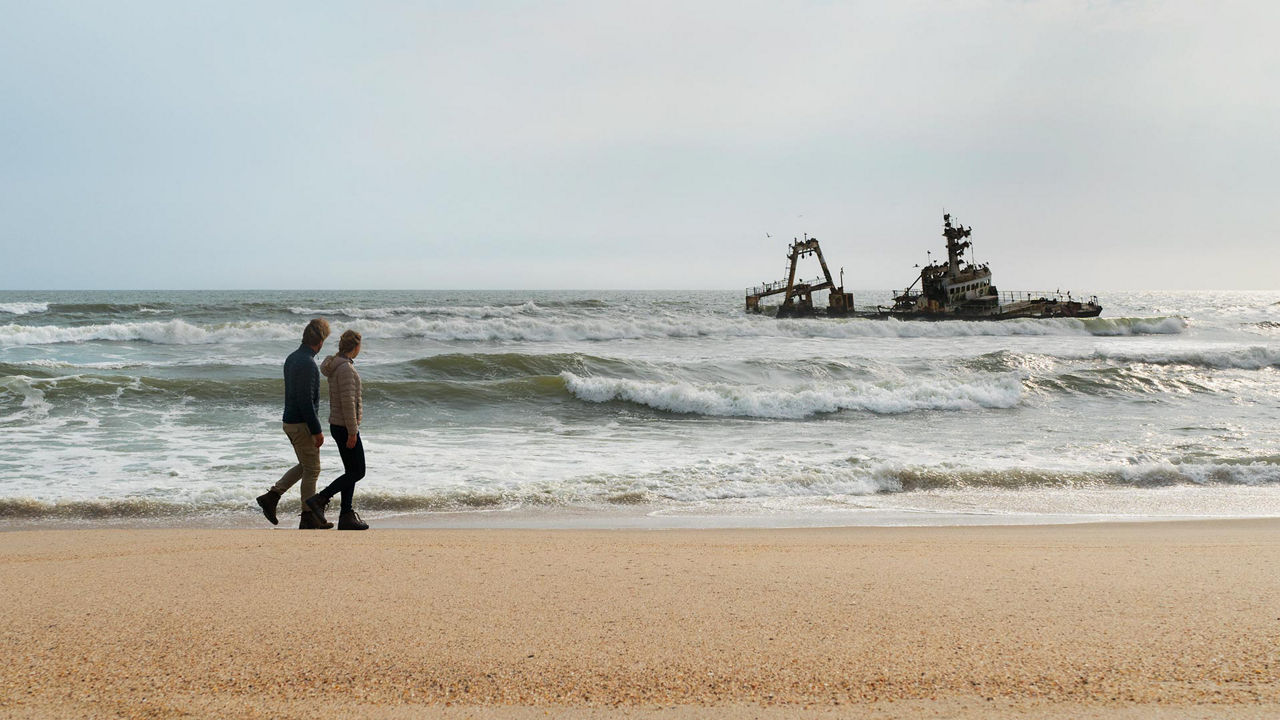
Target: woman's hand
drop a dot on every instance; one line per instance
(351, 441)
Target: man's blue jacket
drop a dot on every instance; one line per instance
(302, 388)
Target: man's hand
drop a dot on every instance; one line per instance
(351, 441)
(319, 438)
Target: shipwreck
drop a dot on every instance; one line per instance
(952, 290)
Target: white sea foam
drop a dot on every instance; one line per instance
(105, 365)
(773, 478)
(759, 484)
(23, 308)
(717, 399)
(518, 328)
(172, 332)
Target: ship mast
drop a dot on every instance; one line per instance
(955, 248)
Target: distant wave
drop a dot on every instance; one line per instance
(171, 332)
(480, 312)
(1117, 381)
(518, 328)
(23, 308)
(38, 391)
(94, 309)
(1255, 472)
(1249, 358)
(763, 402)
(495, 366)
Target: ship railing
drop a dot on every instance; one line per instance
(779, 286)
(767, 288)
(1013, 296)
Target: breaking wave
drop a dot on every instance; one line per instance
(23, 308)
(721, 399)
(171, 332)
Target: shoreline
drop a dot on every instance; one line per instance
(1109, 620)
(941, 509)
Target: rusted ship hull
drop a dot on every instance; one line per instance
(1085, 310)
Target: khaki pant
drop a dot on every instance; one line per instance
(308, 467)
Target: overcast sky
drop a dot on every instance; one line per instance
(1091, 145)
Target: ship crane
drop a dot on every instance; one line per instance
(798, 299)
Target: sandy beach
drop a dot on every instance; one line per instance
(1107, 621)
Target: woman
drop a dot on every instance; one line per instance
(346, 410)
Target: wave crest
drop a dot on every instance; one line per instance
(23, 308)
(1256, 357)
(719, 399)
(171, 332)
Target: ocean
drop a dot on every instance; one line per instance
(644, 409)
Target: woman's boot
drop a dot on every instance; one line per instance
(349, 520)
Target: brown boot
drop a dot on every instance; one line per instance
(308, 522)
(349, 520)
(268, 502)
(316, 504)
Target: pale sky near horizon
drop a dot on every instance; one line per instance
(590, 144)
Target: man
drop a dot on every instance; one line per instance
(301, 425)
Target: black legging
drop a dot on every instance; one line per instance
(352, 465)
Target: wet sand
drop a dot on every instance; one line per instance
(1107, 621)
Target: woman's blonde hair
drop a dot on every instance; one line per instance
(348, 342)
